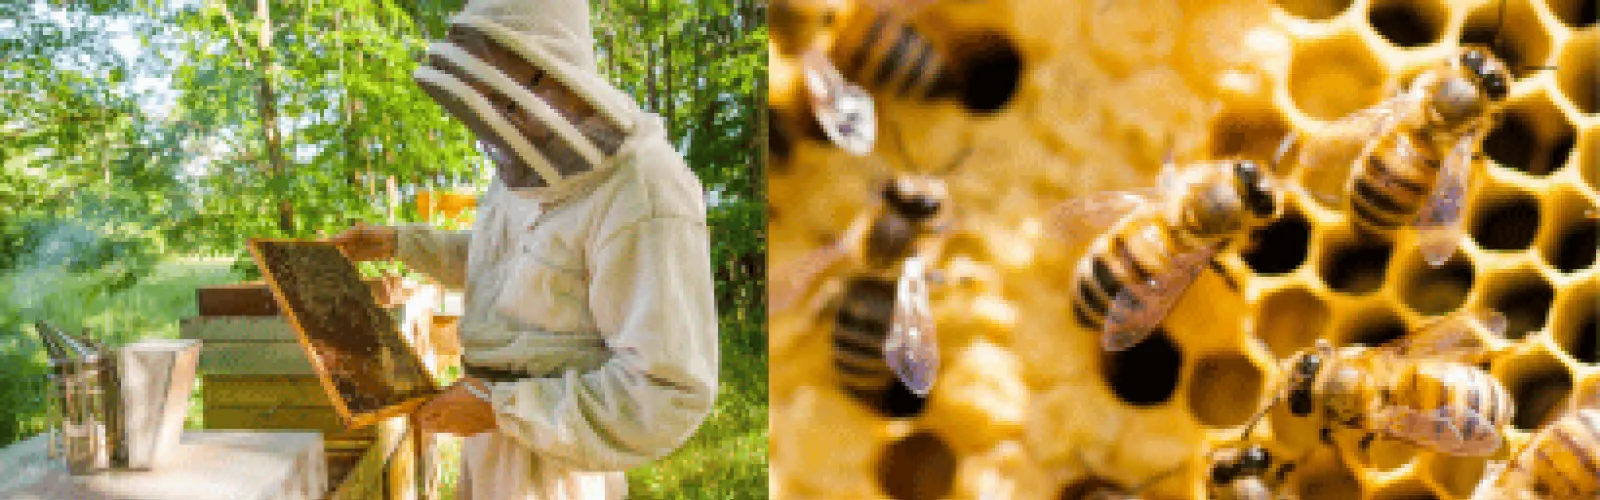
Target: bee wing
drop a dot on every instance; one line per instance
(843, 109)
(1450, 429)
(1491, 475)
(1339, 144)
(1450, 337)
(1438, 225)
(1084, 218)
(1590, 397)
(912, 349)
(1139, 307)
(792, 282)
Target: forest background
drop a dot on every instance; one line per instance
(143, 141)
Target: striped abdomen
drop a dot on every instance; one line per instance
(1564, 460)
(1391, 185)
(1132, 253)
(879, 49)
(860, 327)
(1429, 385)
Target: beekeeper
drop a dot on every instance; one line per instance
(589, 334)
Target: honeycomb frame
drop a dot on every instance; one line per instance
(1027, 406)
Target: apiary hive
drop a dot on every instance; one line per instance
(1026, 404)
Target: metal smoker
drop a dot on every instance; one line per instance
(86, 404)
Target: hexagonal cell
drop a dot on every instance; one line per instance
(990, 71)
(1354, 265)
(1220, 383)
(1408, 489)
(1523, 43)
(1576, 69)
(1325, 477)
(1538, 384)
(1408, 24)
(1331, 78)
(1280, 247)
(1572, 238)
(1147, 373)
(1291, 319)
(1504, 220)
(1315, 10)
(1576, 327)
(1082, 488)
(1575, 13)
(1453, 476)
(1249, 131)
(1523, 296)
(918, 467)
(1531, 136)
(1589, 153)
(1432, 291)
(1372, 327)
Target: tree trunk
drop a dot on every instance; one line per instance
(267, 104)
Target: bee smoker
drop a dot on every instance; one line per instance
(78, 401)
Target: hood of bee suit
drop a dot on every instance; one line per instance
(553, 36)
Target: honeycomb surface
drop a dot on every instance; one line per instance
(1026, 405)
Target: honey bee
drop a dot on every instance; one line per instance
(1246, 473)
(843, 110)
(1410, 156)
(1423, 390)
(1100, 489)
(899, 235)
(1560, 462)
(1159, 240)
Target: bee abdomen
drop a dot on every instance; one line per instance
(1567, 456)
(860, 327)
(884, 52)
(1101, 275)
(1392, 183)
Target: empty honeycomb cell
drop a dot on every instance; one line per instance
(1587, 159)
(1575, 13)
(1523, 42)
(1355, 266)
(1573, 236)
(1432, 291)
(1331, 78)
(1456, 476)
(1576, 326)
(919, 467)
(1538, 384)
(1291, 319)
(1315, 10)
(1506, 220)
(1325, 477)
(1147, 373)
(1408, 24)
(991, 69)
(1531, 136)
(1220, 383)
(1081, 489)
(1372, 327)
(1523, 296)
(1280, 247)
(1247, 131)
(1576, 71)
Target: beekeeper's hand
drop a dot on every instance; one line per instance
(363, 243)
(457, 411)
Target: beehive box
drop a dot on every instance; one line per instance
(255, 376)
(1027, 406)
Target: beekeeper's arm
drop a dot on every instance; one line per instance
(651, 293)
(439, 253)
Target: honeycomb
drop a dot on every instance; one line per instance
(1026, 404)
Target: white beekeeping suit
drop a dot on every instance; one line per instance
(596, 285)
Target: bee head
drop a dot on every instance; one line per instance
(1302, 375)
(1256, 187)
(1254, 461)
(916, 199)
(1491, 75)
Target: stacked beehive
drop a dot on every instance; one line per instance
(255, 375)
(1027, 403)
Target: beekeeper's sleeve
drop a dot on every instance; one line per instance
(441, 254)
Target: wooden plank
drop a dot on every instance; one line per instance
(236, 329)
(321, 419)
(254, 358)
(367, 479)
(360, 354)
(235, 465)
(264, 390)
(254, 298)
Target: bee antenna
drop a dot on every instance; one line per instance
(1500, 22)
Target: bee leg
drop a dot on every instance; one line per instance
(1326, 434)
(1366, 442)
(1283, 472)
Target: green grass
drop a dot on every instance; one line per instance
(726, 459)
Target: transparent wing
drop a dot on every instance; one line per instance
(844, 110)
(1451, 429)
(1486, 489)
(792, 282)
(1334, 148)
(1139, 307)
(912, 349)
(1438, 225)
(1084, 218)
(1451, 337)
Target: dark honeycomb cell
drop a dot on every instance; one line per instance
(1523, 43)
(1432, 291)
(1575, 13)
(1374, 328)
(1576, 71)
(1081, 489)
(1220, 383)
(1587, 159)
(1329, 79)
(1538, 384)
(1147, 373)
(1291, 319)
(1280, 247)
(1355, 267)
(1316, 10)
(1524, 298)
(1505, 222)
(1576, 327)
(1250, 131)
(1410, 489)
(919, 467)
(1408, 24)
(1531, 137)
(992, 70)
(1574, 238)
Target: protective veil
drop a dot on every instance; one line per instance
(596, 282)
